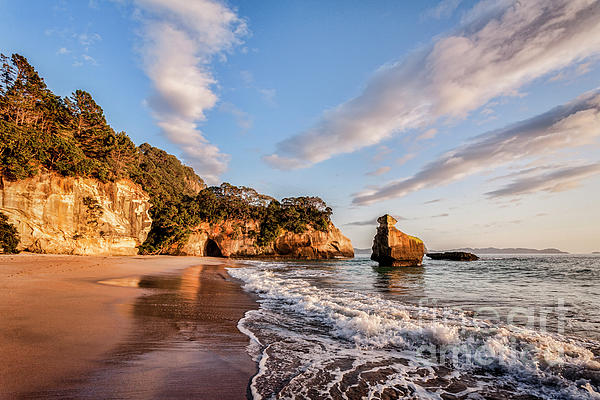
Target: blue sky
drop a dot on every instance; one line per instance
(385, 106)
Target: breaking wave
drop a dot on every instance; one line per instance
(316, 341)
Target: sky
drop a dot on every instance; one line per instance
(475, 123)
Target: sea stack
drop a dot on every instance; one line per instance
(393, 248)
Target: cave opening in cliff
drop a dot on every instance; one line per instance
(212, 249)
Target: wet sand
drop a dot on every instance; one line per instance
(121, 327)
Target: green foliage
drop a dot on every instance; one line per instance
(270, 226)
(171, 226)
(9, 238)
(164, 177)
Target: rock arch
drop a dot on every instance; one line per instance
(212, 249)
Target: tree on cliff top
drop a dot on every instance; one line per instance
(9, 238)
(72, 137)
(215, 204)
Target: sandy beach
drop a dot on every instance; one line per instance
(121, 327)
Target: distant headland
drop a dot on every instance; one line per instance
(509, 250)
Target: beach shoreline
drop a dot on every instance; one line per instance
(141, 326)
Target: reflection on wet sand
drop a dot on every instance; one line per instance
(184, 343)
(401, 281)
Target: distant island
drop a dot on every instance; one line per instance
(510, 250)
(489, 250)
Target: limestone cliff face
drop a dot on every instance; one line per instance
(68, 215)
(234, 238)
(393, 248)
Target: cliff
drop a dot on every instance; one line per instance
(393, 248)
(236, 238)
(75, 215)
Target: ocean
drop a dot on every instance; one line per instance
(504, 327)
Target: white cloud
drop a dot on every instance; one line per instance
(180, 40)
(574, 124)
(501, 46)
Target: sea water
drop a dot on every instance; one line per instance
(503, 327)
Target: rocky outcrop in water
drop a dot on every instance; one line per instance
(235, 238)
(68, 215)
(393, 248)
(453, 256)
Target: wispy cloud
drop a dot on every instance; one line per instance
(379, 171)
(433, 201)
(89, 59)
(501, 46)
(382, 152)
(88, 39)
(553, 181)
(371, 221)
(243, 119)
(570, 74)
(428, 134)
(180, 40)
(443, 9)
(440, 215)
(77, 45)
(571, 125)
(268, 94)
(405, 158)
(84, 59)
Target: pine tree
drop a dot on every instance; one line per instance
(91, 131)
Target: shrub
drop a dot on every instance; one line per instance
(9, 238)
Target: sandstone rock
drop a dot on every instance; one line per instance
(453, 256)
(393, 248)
(236, 238)
(68, 215)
